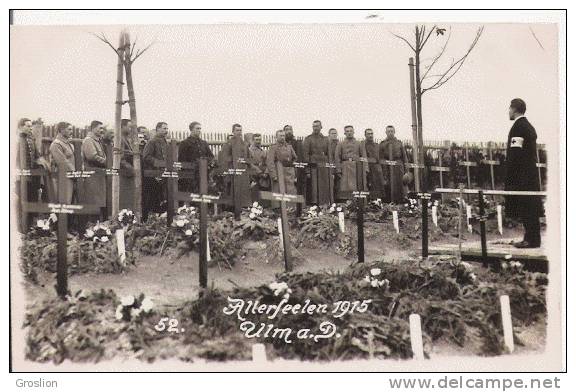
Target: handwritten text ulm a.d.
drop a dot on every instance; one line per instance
(244, 309)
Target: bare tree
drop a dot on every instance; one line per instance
(427, 77)
(127, 54)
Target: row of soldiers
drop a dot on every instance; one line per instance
(326, 161)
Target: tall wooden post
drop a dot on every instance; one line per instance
(134, 120)
(117, 126)
(61, 248)
(415, 143)
(203, 267)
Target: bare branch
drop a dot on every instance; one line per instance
(455, 66)
(103, 38)
(437, 57)
(428, 36)
(405, 40)
(536, 38)
(140, 52)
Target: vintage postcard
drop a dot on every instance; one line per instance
(299, 191)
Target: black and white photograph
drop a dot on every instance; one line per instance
(287, 191)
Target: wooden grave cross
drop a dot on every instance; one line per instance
(360, 195)
(468, 164)
(203, 198)
(61, 209)
(424, 197)
(283, 197)
(440, 169)
(490, 161)
(483, 216)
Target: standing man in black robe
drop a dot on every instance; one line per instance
(522, 175)
(191, 150)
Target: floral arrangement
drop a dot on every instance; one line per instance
(280, 288)
(373, 280)
(186, 221)
(98, 233)
(131, 307)
(45, 226)
(255, 211)
(126, 217)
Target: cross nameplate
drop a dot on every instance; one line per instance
(360, 194)
(440, 168)
(80, 174)
(64, 208)
(467, 163)
(169, 174)
(203, 198)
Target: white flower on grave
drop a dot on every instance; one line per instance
(188, 232)
(127, 300)
(374, 283)
(313, 208)
(466, 265)
(119, 314)
(375, 271)
(255, 204)
(163, 215)
(384, 283)
(108, 231)
(339, 209)
(53, 217)
(516, 264)
(367, 279)
(252, 215)
(279, 287)
(40, 223)
(180, 223)
(104, 238)
(147, 305)
(508, 257)
(320, 213)
(135, 312)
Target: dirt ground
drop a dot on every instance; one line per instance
(170, 281)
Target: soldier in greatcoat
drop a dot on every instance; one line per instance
(347, 155)
(62, 159)
(315, 152)
(375, 174)
(284, 153)
(93, 188)
(235, 155)
(392, 149)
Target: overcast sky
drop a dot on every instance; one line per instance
(265, 76)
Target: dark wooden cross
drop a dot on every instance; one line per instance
(62, 210)
(359, 196)
(440, 169)
(171, 171)
(468, 164)
(490, 161)
(283, 197)
(203, 198)
(483, 216)
(424, 197)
